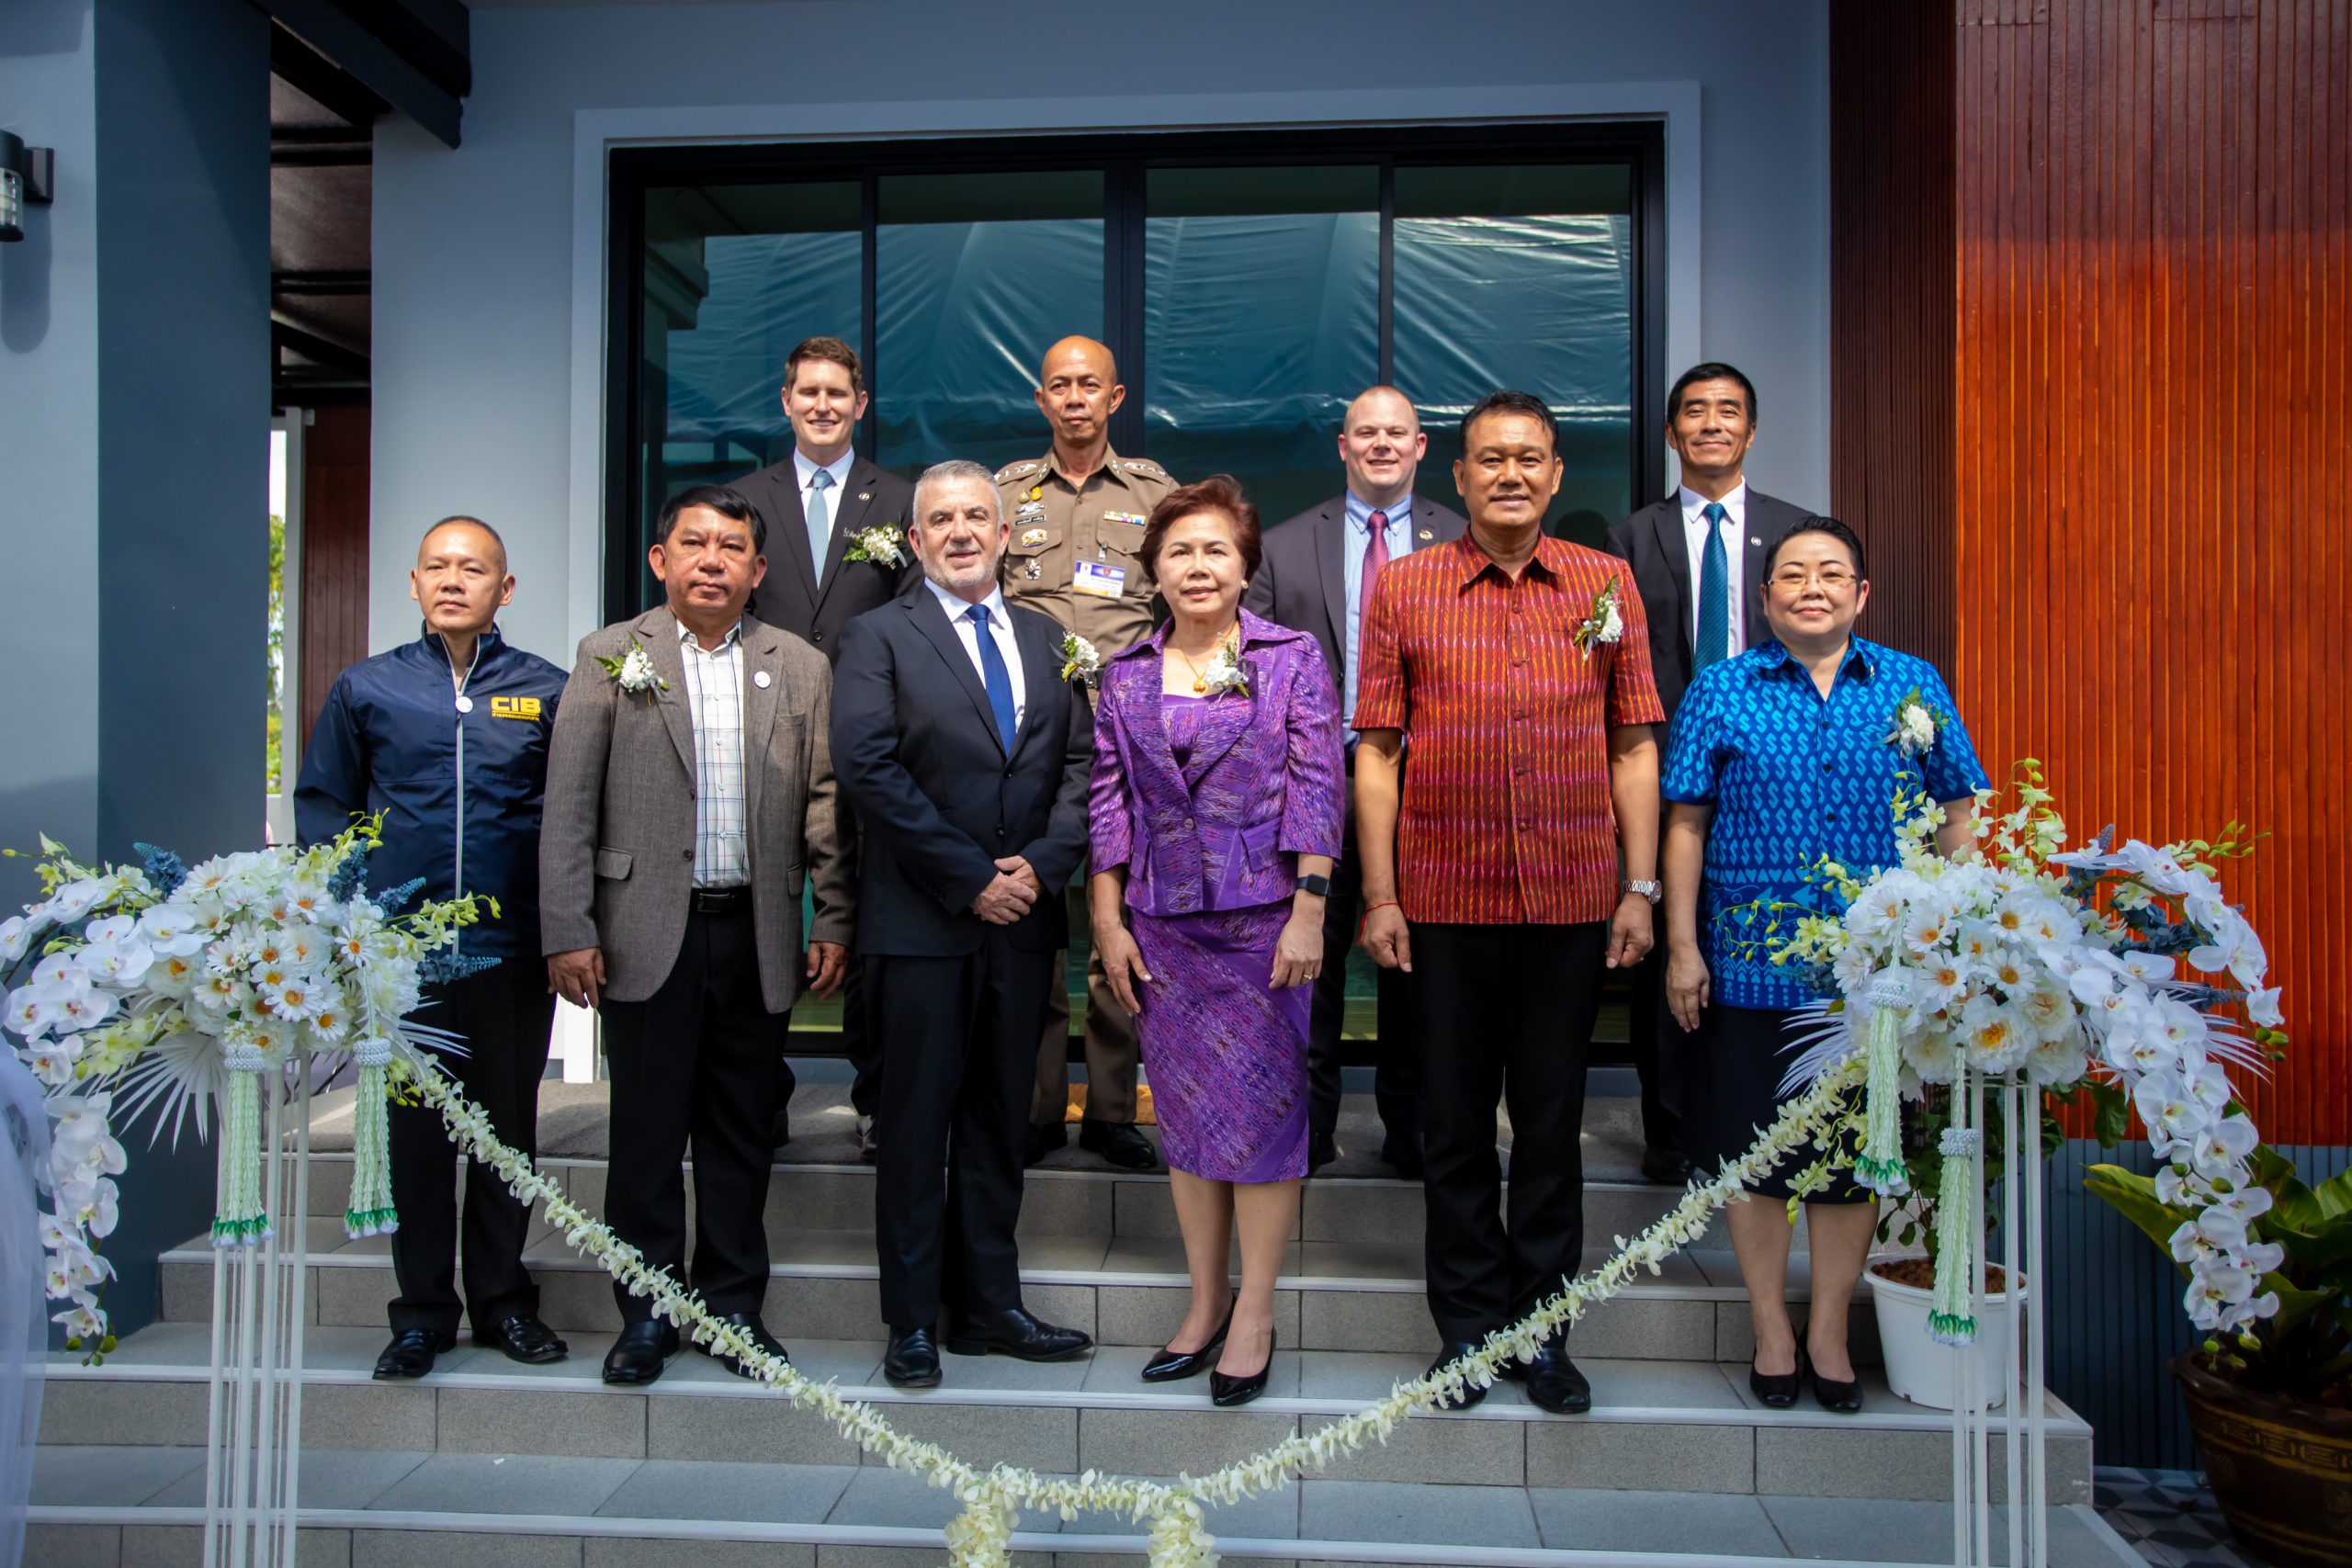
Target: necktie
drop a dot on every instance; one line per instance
(820, 520)
(1375, 556)
(1714, 592)
(992, 670)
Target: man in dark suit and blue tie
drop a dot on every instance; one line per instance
(1316, 577)
(966, 755)
(816, 502)
(1697, 559)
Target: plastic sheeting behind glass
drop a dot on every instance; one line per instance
(1522, 277)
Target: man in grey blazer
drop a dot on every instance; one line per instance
(1697, 559)
(1315, 577)
(690, 790)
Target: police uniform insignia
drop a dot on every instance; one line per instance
(514, 707)
(1030, 536)
(1037, 492)
(1135, 517)
(1033, 570)
(1012, 471)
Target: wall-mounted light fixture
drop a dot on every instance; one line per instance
(24, 176)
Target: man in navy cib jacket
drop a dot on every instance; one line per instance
(447, 737)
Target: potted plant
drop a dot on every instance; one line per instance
(2270, 1401)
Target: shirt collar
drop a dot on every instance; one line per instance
(1735, 504)
(484, 645)
(734, 634)
(955, 607)
(1472, 558)
(805, 470)
(1861, 660)
(1360, 512)
(1109, 470)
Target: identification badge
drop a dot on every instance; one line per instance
(1032, 538)
(1100, 579)
(514, 707)
(1137, 518)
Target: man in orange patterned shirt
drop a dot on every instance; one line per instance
(1516, 855)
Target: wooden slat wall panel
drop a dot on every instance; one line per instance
(1891, 283)
(334, 552)
(2153, 480)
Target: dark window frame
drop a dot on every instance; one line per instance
(1124, 159)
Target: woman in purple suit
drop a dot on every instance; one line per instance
(1216, 812)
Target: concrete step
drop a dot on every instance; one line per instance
(1689, 1426)
(118, 1508)
(1332, 1295)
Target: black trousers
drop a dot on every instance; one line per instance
(1395, 1083)
(1659, 1046)
(1486, 1033)
(696, 1063)
(958, 1040)
(503, 1015)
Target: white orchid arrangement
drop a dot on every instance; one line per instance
(160, 990)
(2014, 956)
(1081, 661)
(1604, 622)
(881, 544)
(1225, 671)
(1916, 725)
(633, 671)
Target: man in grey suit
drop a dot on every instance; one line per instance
(1697, 559)
(1316, 577)
(690, 789)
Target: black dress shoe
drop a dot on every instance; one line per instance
(1320, 1154)
(523, 1338)
(757, 1332)
(1837, 1398)
(1553, 1381)
(1013, 1332)
(1121, 1144)
(410, 1353)
(1454, 1350)
(912, 1360)
(1227, 1391)
(1042, 1138)
(1668, 1167)
(1776, 1392)
(1403, 1160)
(640, 1353)
(1169, 1366)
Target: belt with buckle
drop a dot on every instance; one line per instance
(720, 900)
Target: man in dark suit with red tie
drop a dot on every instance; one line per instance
(817, 504)
(1316, 577)
(1697, 559)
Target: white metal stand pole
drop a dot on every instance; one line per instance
(1980, 1445)
(297, 1298)
(2037, 1365)
(2013, 1161)
(1963, 1549)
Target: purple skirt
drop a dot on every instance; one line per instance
(1226, 1056)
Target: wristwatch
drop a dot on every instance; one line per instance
(1318, 886)
(1653, 891)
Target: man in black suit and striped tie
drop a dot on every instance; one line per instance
(1697, 559)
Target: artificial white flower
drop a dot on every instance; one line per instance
(2262, 1007)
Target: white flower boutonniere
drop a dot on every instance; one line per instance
(1225, 673)
(1605, 621)
(879, 545)
(1916, 725)
(633, 672)
(1079, 662)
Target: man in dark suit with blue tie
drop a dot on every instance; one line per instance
(1316, 577)
(1697, 559)
(815, 504)
(965, 754)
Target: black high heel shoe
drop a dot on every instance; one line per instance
(1837, 1398)
(1776, 1393)
(1169, 1366)
(1227, 1391)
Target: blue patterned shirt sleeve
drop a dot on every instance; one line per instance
(1949, 770)
(1690, 747)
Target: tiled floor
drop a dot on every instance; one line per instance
(2169, 1516)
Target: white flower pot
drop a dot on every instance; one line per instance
(1920, 1368)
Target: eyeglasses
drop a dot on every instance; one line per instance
(1797, 579)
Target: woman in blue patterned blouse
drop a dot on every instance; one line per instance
(1779, 756)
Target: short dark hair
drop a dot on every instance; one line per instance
(1711, 370)
(1220, 494)
(1509, 401)
(468, 520)
(728, 502)
(1830, 525)
(833, 351)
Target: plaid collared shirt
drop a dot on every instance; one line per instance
(722, 813)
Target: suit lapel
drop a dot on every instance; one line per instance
(1041, 670)
(658, 631)
(1222, 726)
(763, 654)
(1674, 556)
(1331, 550)
(1766, 523)
(932, 617)
(1137, 689)
(851, 501)
(792, 522)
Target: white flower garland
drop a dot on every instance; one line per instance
(981, 1536)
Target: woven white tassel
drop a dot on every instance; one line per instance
(1951, 1319)
(238, 1218)
(1879, 1167)
(371, 1212)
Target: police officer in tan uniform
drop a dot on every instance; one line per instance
(1077, 517)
